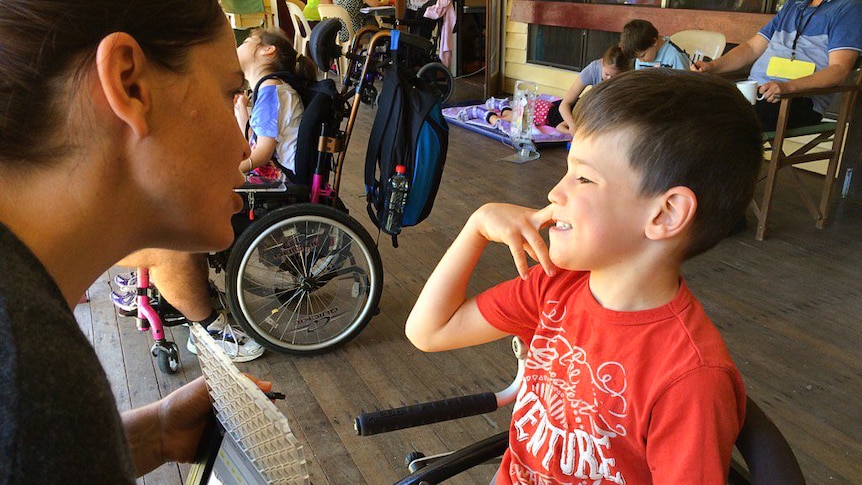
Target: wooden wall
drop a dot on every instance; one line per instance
(550, 80)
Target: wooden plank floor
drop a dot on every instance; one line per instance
(789, 309)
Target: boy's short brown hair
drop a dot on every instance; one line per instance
(688, 129)
(637, 36)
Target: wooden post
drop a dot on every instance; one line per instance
(400, 9)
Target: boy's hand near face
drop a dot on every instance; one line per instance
(517, 227)
(443, 317)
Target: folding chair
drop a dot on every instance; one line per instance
(301, 29)
(823, 132)
(699, 44)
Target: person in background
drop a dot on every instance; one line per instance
(806, 45)
(357, 18)
(640, 41)
(498, 112)
(311, 13)
(277, 111)
(613, 62)
(627, 380)
(135, 145)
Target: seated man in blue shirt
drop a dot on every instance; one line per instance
(806, 45)
(640, 41)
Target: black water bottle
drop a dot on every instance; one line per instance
(398, 187)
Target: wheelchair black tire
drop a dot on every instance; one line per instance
(304, 279)
(168, 358)
(439, 76)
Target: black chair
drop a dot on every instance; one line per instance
(769, 460)
(768, 455)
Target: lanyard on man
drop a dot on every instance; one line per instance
(800, 27)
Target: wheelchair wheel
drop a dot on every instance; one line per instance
(304, 279)
(168, 357)
(368, 95)
(438, 75)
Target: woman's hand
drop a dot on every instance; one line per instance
(183, 414)
(517, 227)
(168, 429)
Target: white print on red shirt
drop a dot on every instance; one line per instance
(568, 411)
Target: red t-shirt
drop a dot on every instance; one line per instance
(615, 397)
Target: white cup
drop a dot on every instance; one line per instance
(749, 90)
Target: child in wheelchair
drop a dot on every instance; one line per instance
(627, 380)
(273, 124)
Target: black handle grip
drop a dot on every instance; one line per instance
(425, 413)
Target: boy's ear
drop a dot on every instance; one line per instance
(674, 214)
(120, 66)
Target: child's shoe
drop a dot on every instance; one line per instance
(125, 300)
(235, 343)
(497, 103)
(127, 280)
(472, 113)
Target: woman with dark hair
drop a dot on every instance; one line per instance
(101, 126)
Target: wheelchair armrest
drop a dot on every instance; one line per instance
(416, 40)
(367, 424)
(268, 186)
(459, 461)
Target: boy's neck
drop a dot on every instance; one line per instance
(635, 288)
(659, 42)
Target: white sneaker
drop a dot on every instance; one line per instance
(233, 341)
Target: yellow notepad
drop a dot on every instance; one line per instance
(789, 69)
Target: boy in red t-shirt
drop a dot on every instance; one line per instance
(627, 379)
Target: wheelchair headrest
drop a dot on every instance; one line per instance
(322, 45)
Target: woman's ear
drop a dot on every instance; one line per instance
(674, 214)
(121, 65)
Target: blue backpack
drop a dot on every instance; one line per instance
(409, 129)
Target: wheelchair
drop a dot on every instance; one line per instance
(421, 46)
(766, 456)
(303, 276)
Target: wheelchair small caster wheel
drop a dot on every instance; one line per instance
(412, 457)
(368, 95)
(168, 357)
